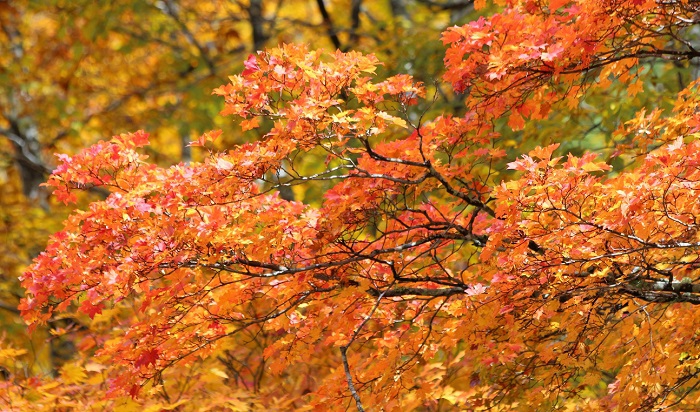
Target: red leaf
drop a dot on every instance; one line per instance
(251, 65)
(90, 309)
(134, 391)
(146, 358)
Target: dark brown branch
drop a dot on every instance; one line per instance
(348, 377)
(442, 292)
(447, 5)
(658, 53)
(255, 13)
(9, 308)
(171, 10)
(661, 292)
(454, 192)
(329, 25)
(355, 19)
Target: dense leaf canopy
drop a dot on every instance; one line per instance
(429, 259)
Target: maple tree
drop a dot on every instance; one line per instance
(71, 70)
(436, 271)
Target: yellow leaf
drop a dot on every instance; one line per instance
(218, 372)
(11, 353)
(160, 407)
(49, 386)
(594, 167)
(689, 258)
(95, 367)
(128, 405)
(635, 88)
(73, 373)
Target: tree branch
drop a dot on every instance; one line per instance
(329, 25)
(663, 292)
(442, 292)
(348, 377)
(9, 308)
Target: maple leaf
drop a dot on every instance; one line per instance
(635, 88)
(91, 309)
(147, 357)
(251, 65)
(250, 124)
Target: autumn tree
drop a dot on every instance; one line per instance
(438, 270)
(71, 70)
